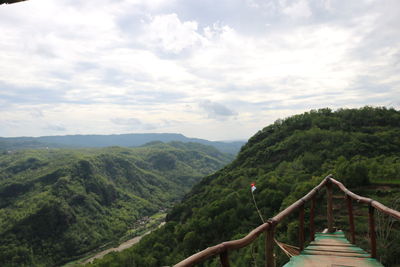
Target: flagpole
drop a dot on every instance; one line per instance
(255, 204)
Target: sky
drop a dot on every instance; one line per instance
(212, 69)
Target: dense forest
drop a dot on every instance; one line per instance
(360, 147)
(56, 204)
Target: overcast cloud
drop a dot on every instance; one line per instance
(219, 70)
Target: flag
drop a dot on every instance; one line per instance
(253, 187)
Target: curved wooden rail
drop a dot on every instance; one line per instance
(224, 247)
(269, 227)
(391, 212)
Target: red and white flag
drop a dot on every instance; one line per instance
(253, 187)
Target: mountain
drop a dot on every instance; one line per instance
(361, 147)
(56, 204)
(124, 140)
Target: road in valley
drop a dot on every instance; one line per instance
(125, 245)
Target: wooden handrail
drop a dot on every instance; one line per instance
(269, 227)
(230, 245)
(296, 205)
(391, 212)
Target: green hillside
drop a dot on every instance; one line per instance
(123, 140)
(361, 147)
(57, 204)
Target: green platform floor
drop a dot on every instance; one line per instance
(332, 250)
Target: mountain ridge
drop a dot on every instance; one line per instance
(58, 204)
(285, 159)
(124, 140)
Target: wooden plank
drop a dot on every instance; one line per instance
(325, 260)
(332, 253)
(332, 249)
(331, 244)
(336, 249)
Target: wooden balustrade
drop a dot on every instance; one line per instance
(351, 219)
(312, 219)
(269, 227)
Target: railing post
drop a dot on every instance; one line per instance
(269, 246)
(301, 227)
(223, 256)
(351, 218)
(312, 216)
(372, 232)
(329, 206)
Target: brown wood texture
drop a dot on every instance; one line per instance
(230, 245)
(223, 256)
(269, 227)
(394, 213)
(301, 227)
(372, 233)
(312, 219)
(329, 205)
(351, 219)
(269, 247)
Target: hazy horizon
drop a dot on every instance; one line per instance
(116, 134)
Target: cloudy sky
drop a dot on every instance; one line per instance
(214, 69)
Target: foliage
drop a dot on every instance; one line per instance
(285, 159)
(57, 204)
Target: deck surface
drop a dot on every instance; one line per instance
(332, 250)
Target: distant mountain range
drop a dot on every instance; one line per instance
(123, 140)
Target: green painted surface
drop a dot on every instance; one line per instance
(350, 255)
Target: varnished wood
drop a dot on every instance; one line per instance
(301, 227)
(332, 250)
(329, 211)
(269, 227)
(372, 233)
(351, 218)
(312, 218)
(269, 246)
(394, 213)
(223, 256)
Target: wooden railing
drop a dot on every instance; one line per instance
(268, 228)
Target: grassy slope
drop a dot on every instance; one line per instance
(57, 204)
(285, 159)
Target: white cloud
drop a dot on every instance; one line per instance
(169, 34)
(95, 66)
(299, 9)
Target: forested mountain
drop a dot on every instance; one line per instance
(56, 204)
(124, 140)
(361, 147)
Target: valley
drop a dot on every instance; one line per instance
(360, 147)
(58, 204)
